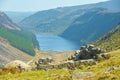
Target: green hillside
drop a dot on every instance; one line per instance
(56, 21)
(91, 25)
(110, 41)
(22, 40)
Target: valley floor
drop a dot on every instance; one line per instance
(103, 70)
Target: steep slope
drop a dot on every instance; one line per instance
(21, 39)
(110, 41)
(49, 21)
(91, 26)
(6, 22)
(57, 20)
(18, 16)
(9, 53)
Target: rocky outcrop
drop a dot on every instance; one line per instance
(89, 52)
(87, 56)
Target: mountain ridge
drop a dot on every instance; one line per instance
(91, 26)
(59, 19)
(8, 23)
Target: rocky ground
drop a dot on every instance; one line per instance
(104, 67)
(9, 53)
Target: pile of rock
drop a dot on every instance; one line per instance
(45, 61)
(42, 63)
(86, 56)
(88, 52)
(70, 64)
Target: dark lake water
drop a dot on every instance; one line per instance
(55, 43)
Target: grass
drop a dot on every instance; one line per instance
(34, 75)
(22, 40)
(110, 41)
(64, 74)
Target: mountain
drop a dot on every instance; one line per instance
(18, 16)
(91, 25)
(56, 21)
(6, 22)
(19, 38)
(9, 53)
(110, 41)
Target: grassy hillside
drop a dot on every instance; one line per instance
(63, 74)
(57, 20)
(48, 21)
(9, 53)
(91, 26)
(22, 40)
(111, 40)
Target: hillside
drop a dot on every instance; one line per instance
(59, 19)
(6, 22)
(110, 41)
(9, 53)
(91, 26)
(111, 65)
(21, 39)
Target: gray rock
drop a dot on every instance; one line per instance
(82, 75)
(88, 52)
(112, 69)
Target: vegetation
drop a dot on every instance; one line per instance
(63, 74)
(22, 40)
(57, 20)
(91, 25)
(110, 41)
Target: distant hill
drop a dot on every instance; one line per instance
(110, 41)
(56, 21)
(18, 16)
(91, 25)
(21, 39)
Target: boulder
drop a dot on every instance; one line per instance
(82, 47)
(17, 64)
(105, 55)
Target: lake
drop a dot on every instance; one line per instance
(55, 43)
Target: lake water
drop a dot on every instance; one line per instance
(55, 43)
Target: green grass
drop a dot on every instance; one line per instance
(22, 40)
(34, 75)
(64, 74)
(110, 41)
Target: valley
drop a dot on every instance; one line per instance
(80, 42)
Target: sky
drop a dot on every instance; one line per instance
(37, 5)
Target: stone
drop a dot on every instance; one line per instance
(82, 75)
(17, 64)
(105, 55)
(82, 47)
(91, 46)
